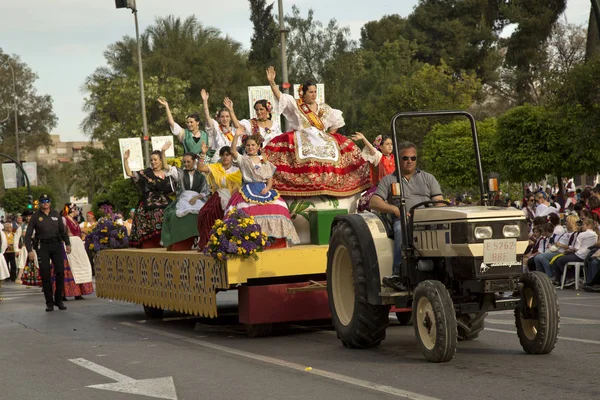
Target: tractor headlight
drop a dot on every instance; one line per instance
(511, 231)
(483, 232)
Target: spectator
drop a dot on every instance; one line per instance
(557, 247)
(586, 239)
(594, 205)
(543, 207)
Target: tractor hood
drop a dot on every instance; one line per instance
(442, 214)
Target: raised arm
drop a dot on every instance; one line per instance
(238, 132)
(175, 128)
(126, 164)
(359, 136)
(209, 120)
(229, 106)
(163, 154)
(271, 75)
(201, 166)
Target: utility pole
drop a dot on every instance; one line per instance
(284, 67)
(132, 6)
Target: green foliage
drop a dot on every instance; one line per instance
(263, 50)
(35, 115)
(535, 141)
(449, 154)
(15, 200)
(123, 194)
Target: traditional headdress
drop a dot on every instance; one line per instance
(301, 90)
(269, 107)
(377, 142)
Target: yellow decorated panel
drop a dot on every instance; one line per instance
(187, 281)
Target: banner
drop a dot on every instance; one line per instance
(136, 157)
(31, 171)
(9, 172)
(159, 141)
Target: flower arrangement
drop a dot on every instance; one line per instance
(176, 162)
(236, 236)
(107, 234)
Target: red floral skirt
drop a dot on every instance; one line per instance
(72, 289)
(347, 176)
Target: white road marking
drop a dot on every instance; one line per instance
(563, 321)
(580, 304)
(286, 364)
(569, 339)
(161, 388)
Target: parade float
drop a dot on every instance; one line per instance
(280, 284)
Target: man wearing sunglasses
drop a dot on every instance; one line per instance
(50, 233)
(417, 186)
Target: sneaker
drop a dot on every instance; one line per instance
(570, 282)
(592, 288)
(556, 284)
(394, 282)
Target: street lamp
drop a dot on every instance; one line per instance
(131, 5)
(7, 62)
(284, 66)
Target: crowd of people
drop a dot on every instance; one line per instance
(553, 246)
(248, 165)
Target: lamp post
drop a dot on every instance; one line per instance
(16, 110)
(132, 6)
(284, 66)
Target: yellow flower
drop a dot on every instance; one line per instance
(246, 237)
(104, 230)
(91, 246)
(239, 242)
(219, 231)
(220, 255)
(263, 242)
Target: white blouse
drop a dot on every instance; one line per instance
(332, 118)
(266, 133)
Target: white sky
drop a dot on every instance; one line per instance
(63, 40)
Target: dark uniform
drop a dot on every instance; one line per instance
(50, 233)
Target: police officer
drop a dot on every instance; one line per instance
(50, 233)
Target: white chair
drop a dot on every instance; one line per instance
(578, 265)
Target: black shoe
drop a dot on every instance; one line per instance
(49, 307)
(60, 305)
(592, 288)
(394, 282)
(64, 298)
(78, 297)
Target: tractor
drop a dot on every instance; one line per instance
(458, 264)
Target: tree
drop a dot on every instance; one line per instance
(123, 194)
(263, 45)
(449, 154)
(35, 116)
(312, 46)
(59, 178)
(534, 141)
(375, 34)
(15, 200)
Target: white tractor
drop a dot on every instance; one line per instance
(459, 263)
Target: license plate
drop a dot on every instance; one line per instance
(500, 252)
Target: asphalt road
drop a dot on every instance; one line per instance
(213, 359)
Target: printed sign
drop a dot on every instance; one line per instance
(136, 157)
(159, 141)
(31, 171)
(9, 172)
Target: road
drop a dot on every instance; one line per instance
(213, 359)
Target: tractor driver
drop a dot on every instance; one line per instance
(418, 186)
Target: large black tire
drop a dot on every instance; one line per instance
(153, 312)
(470, 325)
(258, 330)
(537, 317)
(434, 320)
(358, 324)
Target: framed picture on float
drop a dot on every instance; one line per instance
(136, 157)
(159, 141)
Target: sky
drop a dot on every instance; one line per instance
(63, 41)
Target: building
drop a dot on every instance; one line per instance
(60, 152)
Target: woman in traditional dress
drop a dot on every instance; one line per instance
(221, 131)
(380, 156)
(262, 125)
(257, 197)
(4, 272)
(78, 270)
(225, 179)
(22, 252)
(156, 184)
(192, 137)
(180, 221)
(314, 159)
